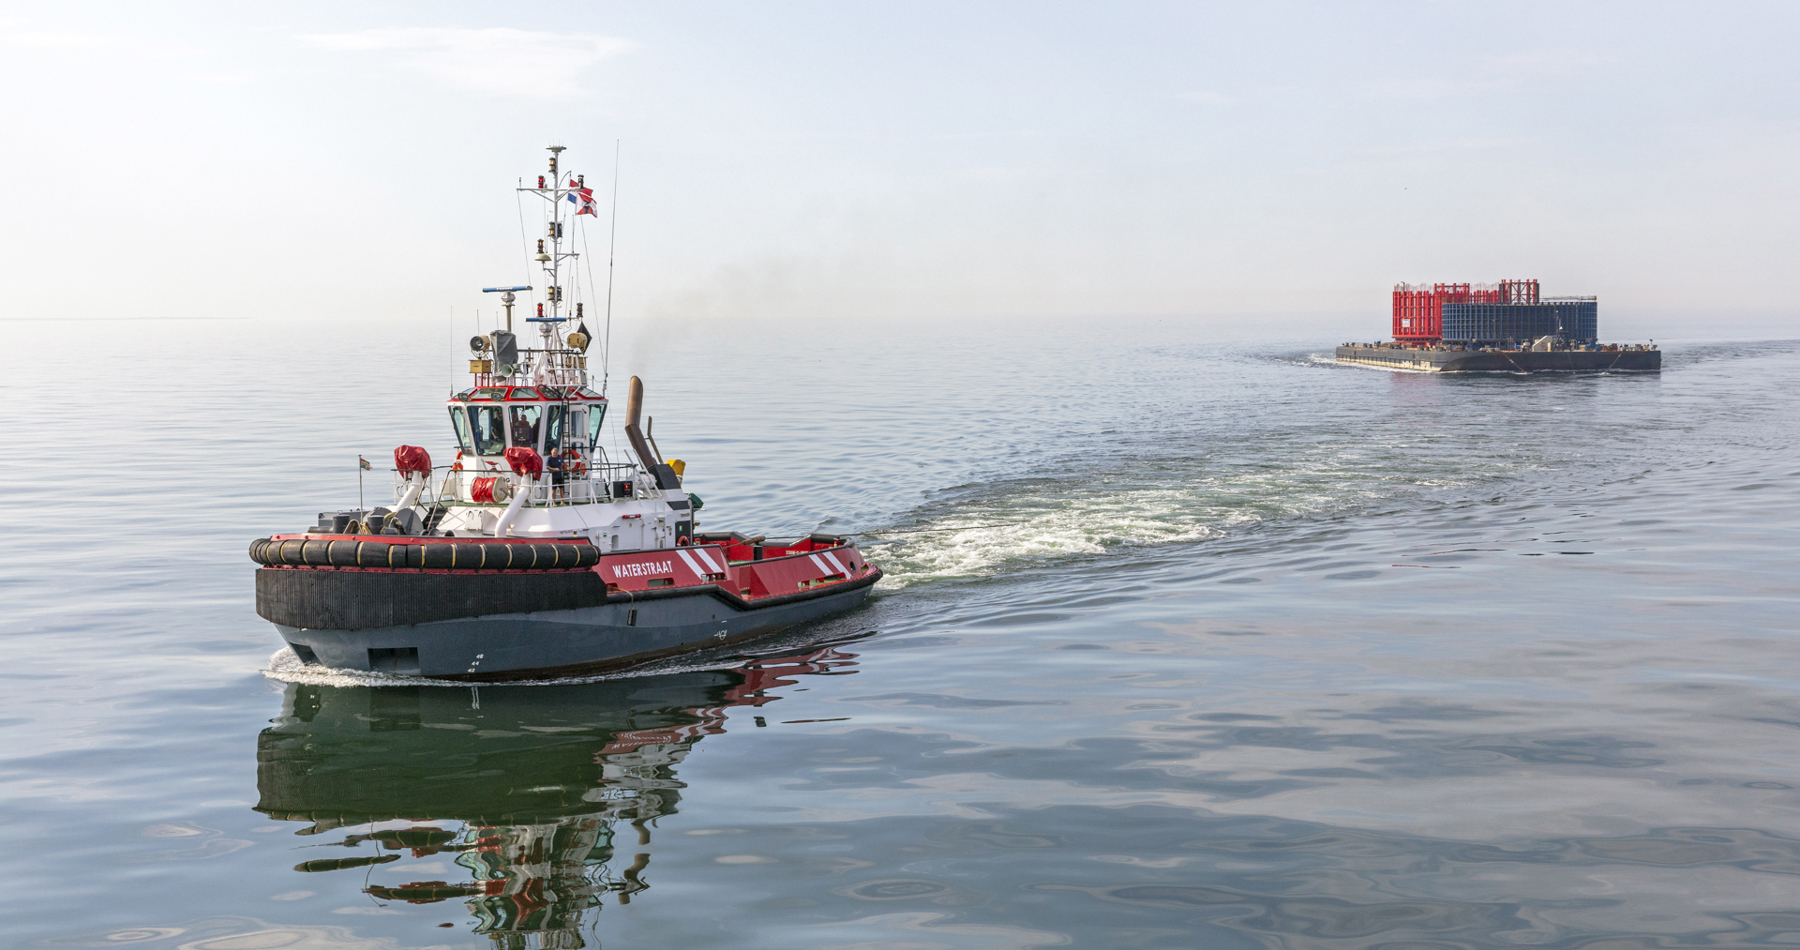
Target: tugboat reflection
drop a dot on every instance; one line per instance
(530, 789)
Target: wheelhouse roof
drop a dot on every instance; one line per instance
(528, 394)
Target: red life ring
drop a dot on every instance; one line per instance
(682, 542)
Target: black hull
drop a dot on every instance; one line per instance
(1502, 361)
(511, 626)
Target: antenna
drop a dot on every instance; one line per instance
(612, 244)
(507, 298)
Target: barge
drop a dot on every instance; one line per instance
(1504, 327)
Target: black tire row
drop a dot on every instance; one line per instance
(448, 555)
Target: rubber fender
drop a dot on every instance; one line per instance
(316, 553)
(375, 554)
(339, 552)
(434, 556)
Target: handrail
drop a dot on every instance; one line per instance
(592, 486)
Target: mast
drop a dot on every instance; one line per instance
(556, 359)
(549, 324)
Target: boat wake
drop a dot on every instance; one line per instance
(978, 531)
(285, 666)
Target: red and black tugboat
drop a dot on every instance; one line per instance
(534, 553)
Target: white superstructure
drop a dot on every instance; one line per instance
(529, 462)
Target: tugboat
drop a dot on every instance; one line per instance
(535, 554)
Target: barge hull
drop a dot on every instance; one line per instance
(1502, 361)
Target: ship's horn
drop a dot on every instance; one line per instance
(634, 406)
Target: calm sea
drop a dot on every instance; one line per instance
(1184, 643)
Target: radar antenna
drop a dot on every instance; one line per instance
(507, 298)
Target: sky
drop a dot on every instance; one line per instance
(819, 161)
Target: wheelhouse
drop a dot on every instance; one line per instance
(561, 424)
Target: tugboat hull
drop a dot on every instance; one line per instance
(498, 610)
(618, 631)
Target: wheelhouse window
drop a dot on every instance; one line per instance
(525, 425)
(461, 422)
(596, 413)
(553, 428)
(490, 429)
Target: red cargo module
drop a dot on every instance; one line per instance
(1419, 312)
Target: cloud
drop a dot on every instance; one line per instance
(495, 60)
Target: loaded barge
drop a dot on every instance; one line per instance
(1503, 327)
(535, 553)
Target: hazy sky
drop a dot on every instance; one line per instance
(871, 161)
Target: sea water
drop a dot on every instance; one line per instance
(1182, 643)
